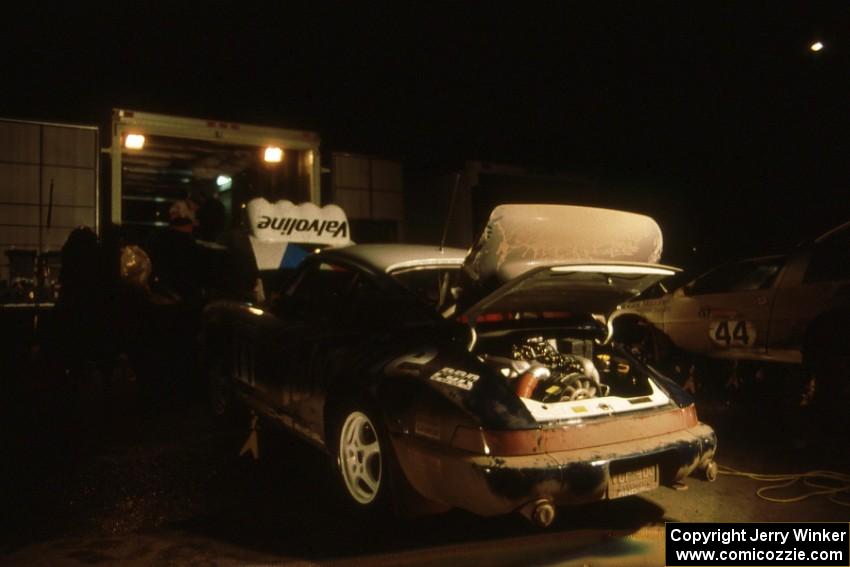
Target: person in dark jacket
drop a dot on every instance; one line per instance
(211, 216)
(80, 327)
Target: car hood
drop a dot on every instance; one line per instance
(561, 258)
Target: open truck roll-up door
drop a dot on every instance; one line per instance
(158, 159)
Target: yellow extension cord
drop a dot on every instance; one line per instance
(828, 483)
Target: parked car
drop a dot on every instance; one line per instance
(485, 381)
(787, 308)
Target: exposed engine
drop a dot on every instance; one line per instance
(541, 372)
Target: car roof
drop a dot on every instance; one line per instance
(391, 257)
(831, 233)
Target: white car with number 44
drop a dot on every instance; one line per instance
(793, 308)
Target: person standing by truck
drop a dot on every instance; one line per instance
(211, 216)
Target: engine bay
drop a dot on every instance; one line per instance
(549, 368)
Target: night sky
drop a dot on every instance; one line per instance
(716, 109)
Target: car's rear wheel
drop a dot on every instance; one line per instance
(359, 458)
(371, 481)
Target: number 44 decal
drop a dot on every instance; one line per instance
(732, 332)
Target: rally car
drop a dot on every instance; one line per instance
(781, 308)
(487, 380)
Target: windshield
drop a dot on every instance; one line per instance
(747, 275)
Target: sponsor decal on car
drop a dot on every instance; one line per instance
(456, 378)
(411, 364)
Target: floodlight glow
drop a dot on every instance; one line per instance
(273, 154)
(816, 46)
(134, 141)
(224, 182)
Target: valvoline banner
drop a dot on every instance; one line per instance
(283, 232)
(306, 223)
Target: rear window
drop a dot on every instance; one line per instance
(321, 289)
(433, 286)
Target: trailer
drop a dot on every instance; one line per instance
(48, 187)
(370, 189)
(463, 199)
(156, 159)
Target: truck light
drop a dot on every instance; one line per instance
(134, 141)
(273, 154)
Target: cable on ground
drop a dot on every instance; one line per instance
(827, 483)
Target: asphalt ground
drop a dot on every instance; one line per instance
(100, 471)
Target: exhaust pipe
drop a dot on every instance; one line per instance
(541, 512)
(710, 471)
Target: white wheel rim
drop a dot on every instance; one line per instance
(360, 457)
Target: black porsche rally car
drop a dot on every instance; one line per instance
(485, 380)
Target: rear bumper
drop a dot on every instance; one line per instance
(492, 485)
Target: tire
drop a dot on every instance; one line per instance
(365, 462)
(826, 357)
(831, 371)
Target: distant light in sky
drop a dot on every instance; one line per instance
(816, 46)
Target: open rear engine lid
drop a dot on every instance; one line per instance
(576, 288)
(561, 257)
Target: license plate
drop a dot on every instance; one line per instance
(632, 482)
